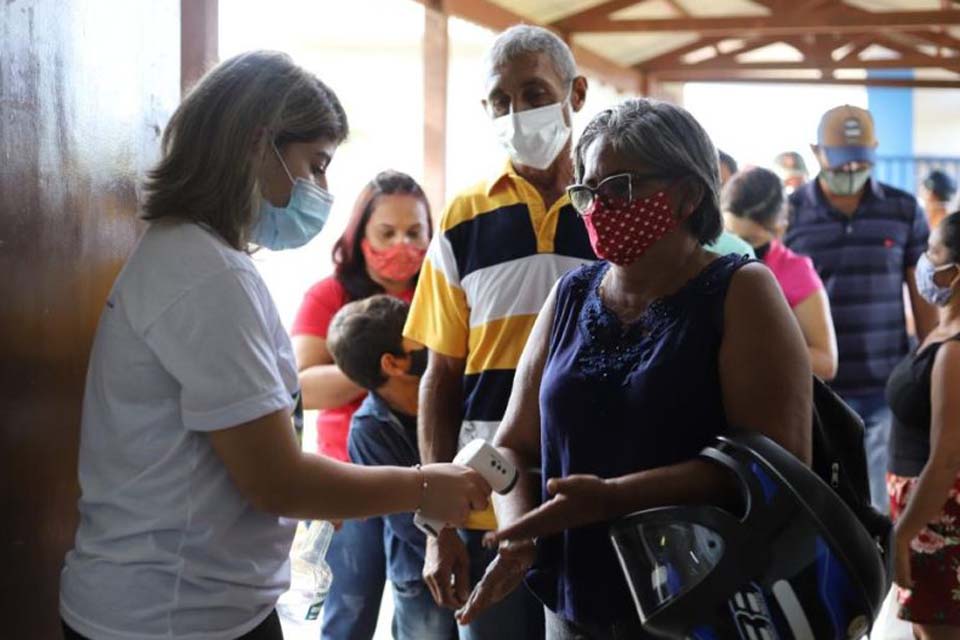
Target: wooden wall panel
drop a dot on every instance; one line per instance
(85, 89)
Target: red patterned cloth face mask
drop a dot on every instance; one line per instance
(622, 230)
(399, 263)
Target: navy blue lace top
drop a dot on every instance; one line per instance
(619, 399)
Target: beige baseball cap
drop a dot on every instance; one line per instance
(847, 134)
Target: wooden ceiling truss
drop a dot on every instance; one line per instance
(829, 35)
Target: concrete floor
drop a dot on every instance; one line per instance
(888, 625)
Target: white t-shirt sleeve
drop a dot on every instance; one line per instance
(216, 342)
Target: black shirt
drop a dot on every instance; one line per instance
(908, 394)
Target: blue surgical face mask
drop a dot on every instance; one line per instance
(294, 225)
(927, 286)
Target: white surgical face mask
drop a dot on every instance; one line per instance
(845, 183)
(534, 138)
(926, 277)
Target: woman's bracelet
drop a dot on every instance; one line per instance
(423, 486)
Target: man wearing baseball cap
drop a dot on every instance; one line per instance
(792, 170)
(864, 238)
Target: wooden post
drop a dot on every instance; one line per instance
(645, 84)
(199, 43)
(435, 59)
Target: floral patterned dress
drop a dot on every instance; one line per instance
(934, 559)
(935, 551)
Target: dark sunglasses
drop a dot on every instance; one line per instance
(619, 186)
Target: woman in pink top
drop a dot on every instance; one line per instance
(753, 204)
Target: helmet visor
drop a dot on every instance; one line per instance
(664, 559)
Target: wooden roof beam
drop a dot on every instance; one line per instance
(905, 62)
(936, 39)
(743, 77)
(493, 16)
(816, 57)
(773, 6)
(674, 57)
(933, 39)
(672, 62)
(887, 42)
(860, 45)
(835, 20)
(815, 51)
(625, 79)
(679, 8)
(918, 58)
(812, 5)
(601, 11)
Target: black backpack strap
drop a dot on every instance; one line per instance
(838, 440)
(840, 459)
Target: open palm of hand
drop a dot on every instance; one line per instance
(577, 500)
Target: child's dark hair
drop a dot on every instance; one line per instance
(361, 332)
(755, 194)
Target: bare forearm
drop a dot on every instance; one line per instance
(927, 498)
(823, 363)
(325, 386)
(813, 316)
(323, 488)
(525, 496)
(691, 482)
(441, 412)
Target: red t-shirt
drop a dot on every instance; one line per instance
(320, 304)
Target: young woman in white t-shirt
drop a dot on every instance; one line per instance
(188, 462)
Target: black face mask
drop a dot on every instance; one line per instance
(418, 362)
(761, 251)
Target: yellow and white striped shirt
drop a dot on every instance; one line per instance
(488, 271)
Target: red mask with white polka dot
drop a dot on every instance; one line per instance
(621, 231)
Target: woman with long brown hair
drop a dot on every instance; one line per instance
(189, 468)
(380, 251)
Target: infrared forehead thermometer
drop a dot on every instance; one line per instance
(483, 458)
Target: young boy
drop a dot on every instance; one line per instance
(366, 341)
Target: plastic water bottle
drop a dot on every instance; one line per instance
(310, 576)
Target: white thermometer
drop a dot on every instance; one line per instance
(483, 458)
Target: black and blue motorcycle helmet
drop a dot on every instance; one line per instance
(795, 565)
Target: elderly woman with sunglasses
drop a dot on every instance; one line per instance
(634, 364)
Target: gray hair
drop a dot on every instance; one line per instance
(669, 140)
(525, 39)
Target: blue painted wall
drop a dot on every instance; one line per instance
(892, 110)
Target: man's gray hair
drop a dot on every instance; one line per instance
(665, 139)
(524, 39)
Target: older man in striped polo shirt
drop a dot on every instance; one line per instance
(864, 238)
(501, 246)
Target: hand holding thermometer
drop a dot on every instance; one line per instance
(483, 458)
